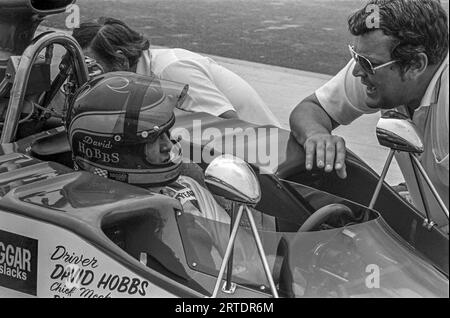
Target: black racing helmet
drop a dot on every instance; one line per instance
(113, 116)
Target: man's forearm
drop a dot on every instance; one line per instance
(308, 118)
(311, 127)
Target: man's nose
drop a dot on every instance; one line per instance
(166, 144)
(358, 71)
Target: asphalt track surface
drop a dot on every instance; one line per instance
(308, 35)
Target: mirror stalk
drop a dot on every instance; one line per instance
(382, 177)
(417, 163)
(234, 179)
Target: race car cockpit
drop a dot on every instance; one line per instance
(339, 254)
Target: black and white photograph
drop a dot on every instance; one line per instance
(220, 154)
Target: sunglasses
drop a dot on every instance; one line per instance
(365, 64)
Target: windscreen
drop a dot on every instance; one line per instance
(361, 260)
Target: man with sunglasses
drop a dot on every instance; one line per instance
(400, 63)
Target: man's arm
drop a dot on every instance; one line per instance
(311, 126)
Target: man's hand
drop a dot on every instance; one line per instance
(329, 152)
(311, 126)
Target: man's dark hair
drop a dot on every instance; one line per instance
(108, 35)
(417, 26)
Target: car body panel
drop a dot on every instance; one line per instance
(61, 264)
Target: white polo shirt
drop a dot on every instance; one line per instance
(343, 98)
(213, 88)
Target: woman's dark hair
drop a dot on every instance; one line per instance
(106, 36)
(416, 26)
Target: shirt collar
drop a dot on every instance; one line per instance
(144, 65)
(432, 92)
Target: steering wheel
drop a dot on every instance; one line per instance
(321, 215)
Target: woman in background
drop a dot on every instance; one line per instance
(212, 88)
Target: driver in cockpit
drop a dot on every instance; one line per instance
(118, 127)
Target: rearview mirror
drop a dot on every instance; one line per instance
(233, 179)
(396, 131)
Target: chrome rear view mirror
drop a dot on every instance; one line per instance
(233, 179)
(398, 132)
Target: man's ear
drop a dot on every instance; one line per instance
(417, 67)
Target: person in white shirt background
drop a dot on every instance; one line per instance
(212, 88)
(400, 60)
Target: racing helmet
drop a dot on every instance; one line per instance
(113, 116)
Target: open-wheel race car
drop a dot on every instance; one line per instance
(67, 233)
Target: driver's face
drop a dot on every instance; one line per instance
(158, 151)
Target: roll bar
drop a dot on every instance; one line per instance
(17, 94)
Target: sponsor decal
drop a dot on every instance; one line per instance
(18, 262)
(79, 275)
(60, 264)
(118, 176)
(185, 195)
